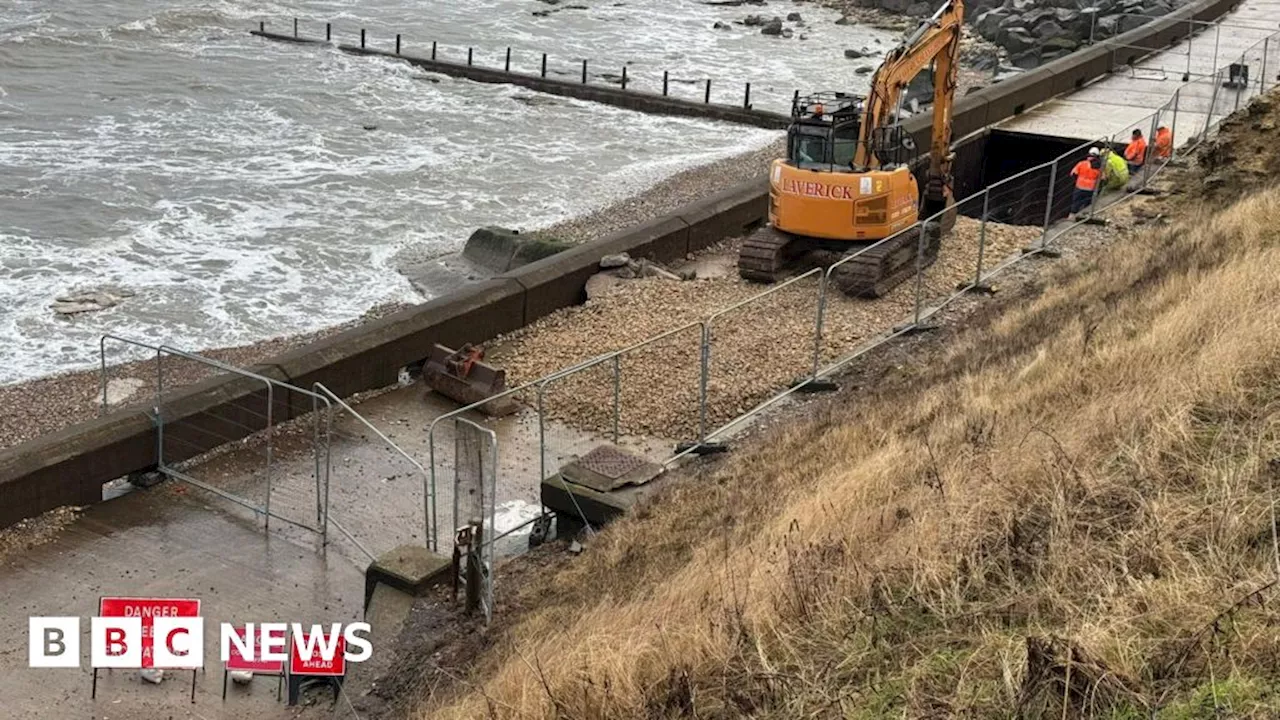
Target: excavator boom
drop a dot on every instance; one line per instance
(936, 42)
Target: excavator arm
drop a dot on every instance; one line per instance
(936, 41)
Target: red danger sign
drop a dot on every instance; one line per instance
(308, 651)
(148, 609)
(237, 661)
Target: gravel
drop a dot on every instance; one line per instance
(45, 405)
(26, 534)
(756, 350)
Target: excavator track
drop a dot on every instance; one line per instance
(877, 271)
(765, 255)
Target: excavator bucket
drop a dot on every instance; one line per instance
(464, 377)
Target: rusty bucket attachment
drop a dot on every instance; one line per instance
(464, 377)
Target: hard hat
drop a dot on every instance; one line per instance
(1093, 151)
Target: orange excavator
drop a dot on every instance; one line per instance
(847, 178)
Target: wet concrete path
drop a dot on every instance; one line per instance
(175, 540)
(170, 541)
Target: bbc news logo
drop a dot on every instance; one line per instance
(170, 634)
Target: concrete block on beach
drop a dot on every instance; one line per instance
(499, 249)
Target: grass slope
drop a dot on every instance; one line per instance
(1069, 515)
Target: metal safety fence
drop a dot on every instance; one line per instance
(229, 444)
(690, 388)
(380, 496)
(687, 387)
(475, 483)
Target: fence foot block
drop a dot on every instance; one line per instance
(1150, 191)
(146, 479)
(1042, 251)
(704, 448)
(978, 289)
(815, 385)
(916, 329)
(411, 569)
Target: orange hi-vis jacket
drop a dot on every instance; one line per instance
(1136, 152)
(1164, 142)
(1086, 175)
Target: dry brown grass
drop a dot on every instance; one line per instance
(1068, 515)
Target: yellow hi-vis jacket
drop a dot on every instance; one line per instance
(1116, 171)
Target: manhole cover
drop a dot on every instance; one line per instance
(610, 462)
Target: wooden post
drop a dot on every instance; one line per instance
(624, 77)
(507, 67)
(433, 49)
(544, 64)
(397, 43)
(584, 71)
(469, 51)
(362, 38)
(708, 98)
(328, 32)
(295, 27)
(666, 78)
(262, 26)
(746, 98)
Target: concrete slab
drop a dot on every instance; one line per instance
(411, 569)
(169, 542)
(607, 468)
(575, 503)
(1128, 97)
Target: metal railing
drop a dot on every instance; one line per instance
(191, 438)
(390, 521)
(540, 64)
(1023, 216)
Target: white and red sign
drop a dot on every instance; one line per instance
(318, 653)
(137, 632)
(257, 660)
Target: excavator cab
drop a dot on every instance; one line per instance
(824, 131)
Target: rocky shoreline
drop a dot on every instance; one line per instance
(1028, 32)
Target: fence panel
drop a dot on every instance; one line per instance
(577, 411)
(380, 496)
(759, 346)
(474, 502)
(972, 244)
(513, 415)
(644, 398)
(1269, 72)
(231, 443)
